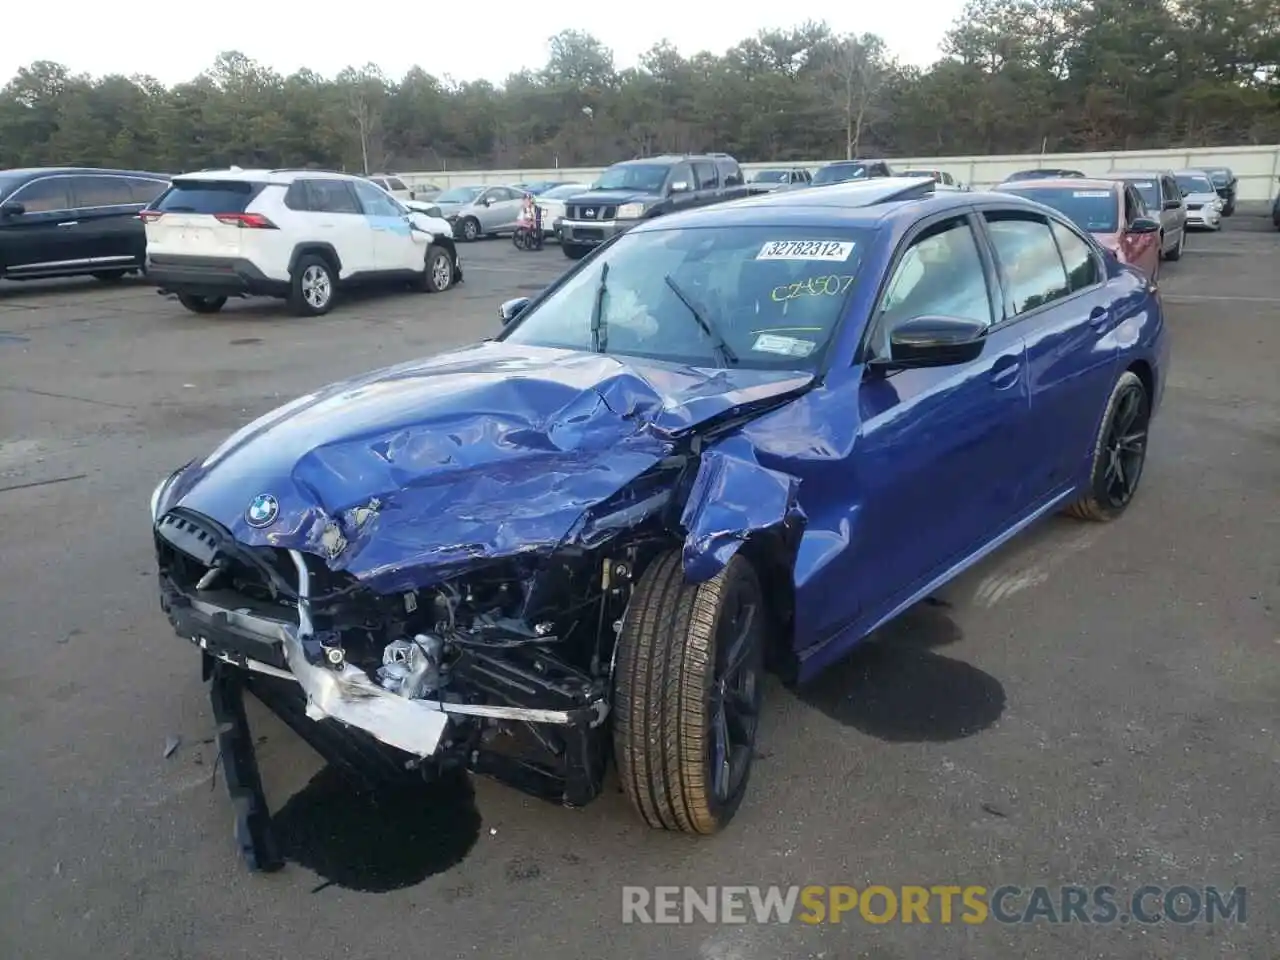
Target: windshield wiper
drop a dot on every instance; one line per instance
(599, 330)
(722, 348)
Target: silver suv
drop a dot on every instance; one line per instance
(1159, 190)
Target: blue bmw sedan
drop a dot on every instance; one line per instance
(732, 437)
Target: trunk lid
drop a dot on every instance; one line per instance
(203, 217)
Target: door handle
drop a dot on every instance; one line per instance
(68, 223)
(1006, 372)
(1098, 317)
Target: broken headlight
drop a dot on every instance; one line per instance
(157, 495)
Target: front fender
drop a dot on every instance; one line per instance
(733, 498)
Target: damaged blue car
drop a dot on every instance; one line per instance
(729, 440)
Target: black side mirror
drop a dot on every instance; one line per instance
(934, 342)
(12, 209)
(1143, 225)
(1172, 203)
(434, 211)
(512, 309)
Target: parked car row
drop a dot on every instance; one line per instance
(1142, 216)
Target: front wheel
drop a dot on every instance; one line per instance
(198, 304)
(687, 693)
(437, 275)
(110, 276)
(470, 228)
(1119, 453)
(574, 251)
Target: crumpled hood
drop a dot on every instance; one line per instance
(406, 474)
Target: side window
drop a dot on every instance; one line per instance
(330, 196)
(731, 173)
(1082, 265)
(1171, 189)
(706, 174)
(396, 183)
(948, 179)
(144, 191)
(297, 197)
(101, 191)
(682, 173)
(1028, 258)
(375, 202)
(46, 195)
(939, 274)
(506, 193)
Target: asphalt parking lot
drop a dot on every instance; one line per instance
(1093, 705)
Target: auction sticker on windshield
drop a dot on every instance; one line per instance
(787, 346)
(834, 250)
(1092, 194)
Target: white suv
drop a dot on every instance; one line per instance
(295, 234)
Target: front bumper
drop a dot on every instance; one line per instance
(276, 647)
(1210, 217)
(592, 233)
(212, 277)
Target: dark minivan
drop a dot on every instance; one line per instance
(74, 221)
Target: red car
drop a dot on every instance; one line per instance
(1111, 210)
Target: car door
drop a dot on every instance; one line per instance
(42, 237)
(1055, 283)
(388, 225)
(681, 175)
(1173, 212)
(939, 461)
(335, 215)
(706, 182)
(1140, 249)
(108, 229)
(499, 209)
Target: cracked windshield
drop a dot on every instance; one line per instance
(752, 297)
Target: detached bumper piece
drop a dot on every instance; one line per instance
(516, 714)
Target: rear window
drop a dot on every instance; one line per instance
(208, 196)
(1092, 210)
(1194, 183)
(840, 173)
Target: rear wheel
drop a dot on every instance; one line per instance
(1176, 252)
(199, 304)
(312, 286)
(1119, 453)
(110, 276)
(687, 694)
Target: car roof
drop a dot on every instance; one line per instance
(1137, 174)
(32, 172)
(866, 203)
(1072, 183)
(258, 175)
(1202, 171)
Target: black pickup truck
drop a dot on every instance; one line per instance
(636, 190)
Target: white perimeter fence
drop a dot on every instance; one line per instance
(1256, 167)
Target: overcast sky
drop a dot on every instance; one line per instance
(487, 41)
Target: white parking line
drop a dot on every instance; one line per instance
(1198, 298)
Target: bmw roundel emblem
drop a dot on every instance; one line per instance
(262, 511)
